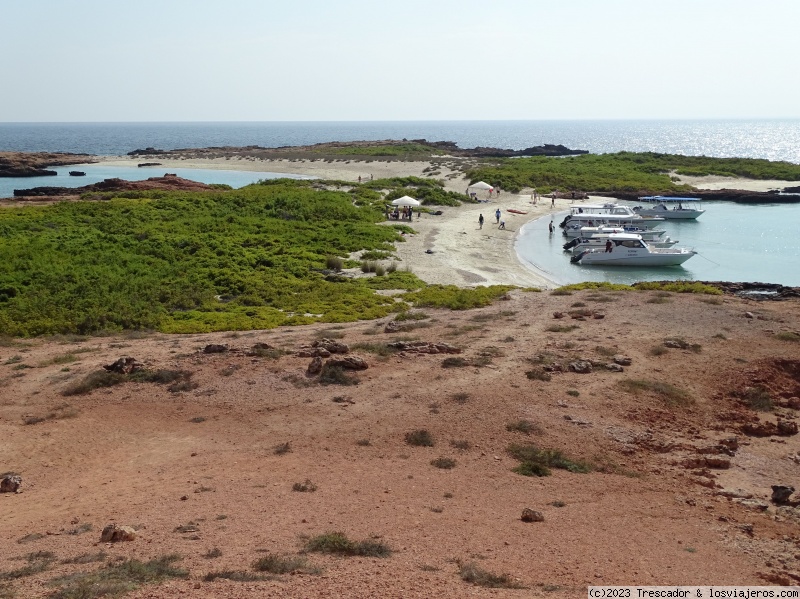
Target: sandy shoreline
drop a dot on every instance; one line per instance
(449, 249)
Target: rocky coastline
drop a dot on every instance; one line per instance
(448, 147)
(788, 195)
(168, 182)
(34, 164)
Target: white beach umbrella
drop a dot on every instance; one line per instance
(405, 201)
(481, 185)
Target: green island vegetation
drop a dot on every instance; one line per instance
(189, 262)
(392, 150)
(622, 171)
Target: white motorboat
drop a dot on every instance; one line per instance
(626, 249)
(609, 214)
(649, 235)
(598, 241)
(661, 207)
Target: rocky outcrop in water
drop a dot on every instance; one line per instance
(167, 182)
(33, 164)
(726, 195)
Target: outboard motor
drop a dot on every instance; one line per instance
(576, 259)
(565, 221)
(571, 244)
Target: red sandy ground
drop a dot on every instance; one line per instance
(132, 455)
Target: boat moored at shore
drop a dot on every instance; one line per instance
(678, 211)
(626, 249)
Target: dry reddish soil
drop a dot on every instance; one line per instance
(659, 508)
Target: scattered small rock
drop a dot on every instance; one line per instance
(529, 515)
(781, 494)
(10, 483)
(125, 365)
(581, 366)
(215, 348)
(114, 533)
(735, 493)
(622, 360)
(558, 315)
(749, 315)
(331, 345)
(315, 367)
(614, 367)
(349, 363)
(424, 347)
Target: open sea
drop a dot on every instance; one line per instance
(736, 242)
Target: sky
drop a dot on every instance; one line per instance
(366, 60)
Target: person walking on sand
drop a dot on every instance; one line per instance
(497, 215)
(480, 221)
(502, 224)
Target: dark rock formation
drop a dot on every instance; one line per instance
(125, 365)
(141, 164)
(77, 174)
(33, 164)
(725, 195)
(147, 152)
(168, 182)
(10, 483)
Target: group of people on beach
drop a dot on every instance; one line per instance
(406, 214)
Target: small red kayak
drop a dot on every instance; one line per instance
(516, 211)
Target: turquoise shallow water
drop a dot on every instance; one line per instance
(735, 242)
(97, 172)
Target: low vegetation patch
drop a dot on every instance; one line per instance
(336, 375)
(788, 336)
(666, 392)
(444, 463)
(470, 572)
(523, 426)
(538, 374)
(756, 398)
(118, 578)
(420, 438)
(283, 564)
(337, 543)
(535, 461)
(561, 328)
(456, 298)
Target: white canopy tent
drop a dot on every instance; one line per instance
(405, 201)
(480, 185)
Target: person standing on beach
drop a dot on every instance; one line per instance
(359, 178)
(497, 215)
(480, 221)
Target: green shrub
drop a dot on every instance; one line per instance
(537, 461)
(338, 543)
(444, 463)
(280, 564)
(471, 573)
(668, 393)
(419, 438)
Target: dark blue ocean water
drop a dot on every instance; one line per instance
(770, 139)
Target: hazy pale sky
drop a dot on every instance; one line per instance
(310, 60)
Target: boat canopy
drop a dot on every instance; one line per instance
(666, 199)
